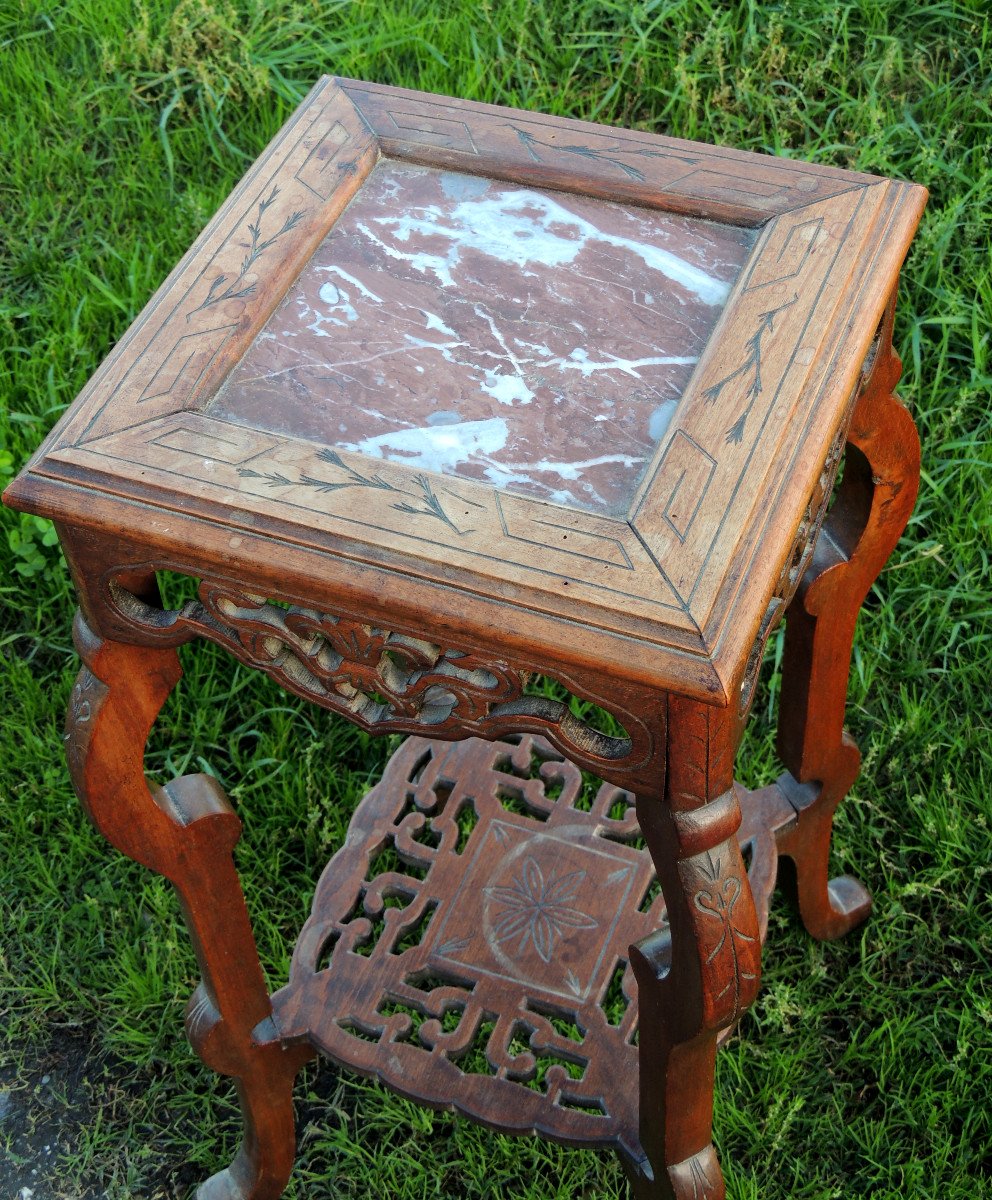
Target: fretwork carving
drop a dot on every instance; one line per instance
(800, 556)
(383, 681)
(374, 676)
(469, 943)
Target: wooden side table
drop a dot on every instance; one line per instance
(446, 399)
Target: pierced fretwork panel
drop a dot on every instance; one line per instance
(469, 943)
(800, 556)
(386, 681)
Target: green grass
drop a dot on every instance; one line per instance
(864, 1068)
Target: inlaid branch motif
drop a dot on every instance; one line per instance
(424, 503)
(431, 506)
(750, 366)
(718, 901)
(352, 477)
(607, 154)
(256, 246)
(271, 479)
(800, 556)
(808, 530)
(702, 1185)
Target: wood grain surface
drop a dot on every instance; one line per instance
(512, 960)
(658, 592)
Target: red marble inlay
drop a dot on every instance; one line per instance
(535, 340)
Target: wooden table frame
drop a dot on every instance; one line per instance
(409, 628)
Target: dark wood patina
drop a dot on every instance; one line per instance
(629, 515)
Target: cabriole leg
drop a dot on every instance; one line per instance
(696, 981)
(873, 504)
(186, 831)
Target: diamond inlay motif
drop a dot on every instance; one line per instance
(475, 927)
(537, 902)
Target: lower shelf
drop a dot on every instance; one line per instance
(468, 945)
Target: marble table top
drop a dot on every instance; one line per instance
(535, 340)
(573, 393)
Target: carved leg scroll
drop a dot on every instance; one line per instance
(873, 504)
(186, 831)
(696, 981)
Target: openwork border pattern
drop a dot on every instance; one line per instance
(469, 943)
(810, 524)
(385, 682)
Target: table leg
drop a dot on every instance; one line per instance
(186, 831)
(698, 980)
(870, 511)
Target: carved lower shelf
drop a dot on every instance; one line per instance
(469, 944)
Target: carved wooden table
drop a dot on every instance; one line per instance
(448, 398)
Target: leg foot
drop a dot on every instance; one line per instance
(830, 908)
(186, 831)
(870, 511)
(262, 1166)
(696, 1178)
(696, 982)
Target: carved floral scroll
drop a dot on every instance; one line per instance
(383, 681)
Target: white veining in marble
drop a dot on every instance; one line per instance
(525, 228)
(534, 340)
(436, 447)
(578, 360)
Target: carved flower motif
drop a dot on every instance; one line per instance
(538, 911)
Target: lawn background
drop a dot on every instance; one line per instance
(864, 1068)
